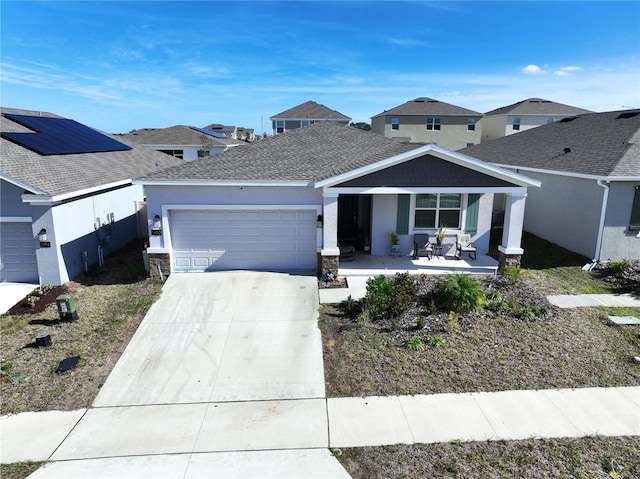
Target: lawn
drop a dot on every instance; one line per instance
(111, 303)
(490, 351)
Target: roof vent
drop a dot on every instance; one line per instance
(566, 150)
(434, 101)
(628, 114)
(567, 120)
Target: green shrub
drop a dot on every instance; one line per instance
(414, 344)
(389, 298)
(380, 298)
(512, 272)
(352, 308)
(495, 302)
(435, 341)
(620, 265)
(421, 322)
(460, 293)
(526, 314)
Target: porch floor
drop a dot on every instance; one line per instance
(365, 266)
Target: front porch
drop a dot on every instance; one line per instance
(365, 266)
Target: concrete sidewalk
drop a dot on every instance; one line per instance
(285, 437)
(589, 300)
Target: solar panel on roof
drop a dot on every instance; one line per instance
(60, 136)
(215, 134)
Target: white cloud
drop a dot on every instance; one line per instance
(564, 71)
(532, 69)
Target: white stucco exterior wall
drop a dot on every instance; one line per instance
(72, 221)
(617, 241)
(161, 199)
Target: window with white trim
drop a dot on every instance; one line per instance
(279, 126)
(174, 153)
(395, 123)
(471, 124)
(516, 123)
(433, 123)
(438, 209)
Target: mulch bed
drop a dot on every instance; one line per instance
(42, 300)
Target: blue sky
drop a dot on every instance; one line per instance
(118, 66)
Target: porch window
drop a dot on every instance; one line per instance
(433, 123)
(433, 210)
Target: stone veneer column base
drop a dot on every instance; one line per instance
(161, 261)
(327, 263)
(508, 260)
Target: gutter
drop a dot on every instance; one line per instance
(603, 212)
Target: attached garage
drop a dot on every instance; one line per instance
(263, 240)
(18, 263)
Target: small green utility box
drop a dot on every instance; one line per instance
(67, 307)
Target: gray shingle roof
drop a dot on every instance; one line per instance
(313, 153)
(538, 106)
(63, 174)
(428, 106)
(178, 135)
(600, 144)
(312, 111)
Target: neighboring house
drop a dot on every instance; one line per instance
(66, 195)
(283, 203)
(524, 115)
(184, 142)
(305, 114)
(233, 132)
(589, 167)
(425, 120)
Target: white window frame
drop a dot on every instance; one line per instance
(461, 217)
(433, 123)
(471, 124)
(305, 123)
(280, 126)
(395, 123)
(516, 124)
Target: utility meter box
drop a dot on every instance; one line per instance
(67, 307)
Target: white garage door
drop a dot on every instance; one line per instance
(281, 240)
(18, 263)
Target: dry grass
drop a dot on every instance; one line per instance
(588, 458)
(111, 304)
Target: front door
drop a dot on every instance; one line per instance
(354, 219)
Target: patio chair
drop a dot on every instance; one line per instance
(422, 246)
(464, 245)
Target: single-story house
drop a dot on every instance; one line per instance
(589, 167)
(66, 195)
(187, 143)
(285, 203)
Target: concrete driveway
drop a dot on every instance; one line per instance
(229, 336)
(223, 378)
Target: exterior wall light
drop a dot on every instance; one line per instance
(156, 227)
(42, 238)
(319, 221)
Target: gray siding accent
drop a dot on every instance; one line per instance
(426, 171)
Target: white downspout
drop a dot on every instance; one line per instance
(603, 213)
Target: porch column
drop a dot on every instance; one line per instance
(330, 253)
(510, 251)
